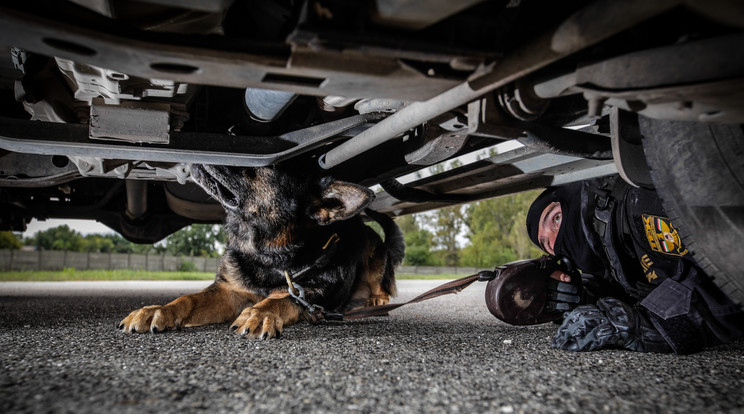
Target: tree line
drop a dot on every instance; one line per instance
(482, 234)
(195, 240)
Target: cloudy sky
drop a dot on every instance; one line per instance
(81, 226)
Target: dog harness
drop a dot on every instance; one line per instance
(315, 312)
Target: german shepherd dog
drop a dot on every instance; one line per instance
(281, 221)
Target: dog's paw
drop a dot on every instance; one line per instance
(378, 300)
(150, 319)
(259, 324)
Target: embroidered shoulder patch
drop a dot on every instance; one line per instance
(662, 236)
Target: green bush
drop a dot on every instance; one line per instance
(8, 240)
(187, 267)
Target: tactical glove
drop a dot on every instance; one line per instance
(563, 296)
(609, 323)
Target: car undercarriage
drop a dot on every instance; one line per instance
(105, 104)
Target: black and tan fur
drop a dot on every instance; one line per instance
(279, 221)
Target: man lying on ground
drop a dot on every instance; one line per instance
(644, 290)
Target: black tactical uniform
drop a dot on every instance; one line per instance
(652, 295)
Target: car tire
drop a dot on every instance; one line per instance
(698, 171)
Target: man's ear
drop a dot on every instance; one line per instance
(339, 200)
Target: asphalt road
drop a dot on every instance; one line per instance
(62, 353)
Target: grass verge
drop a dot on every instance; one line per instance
(73, 275)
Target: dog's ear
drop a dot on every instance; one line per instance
(339, 200)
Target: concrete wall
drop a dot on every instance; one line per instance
(58, 260)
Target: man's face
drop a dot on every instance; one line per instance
(548, 226)
(547, 230)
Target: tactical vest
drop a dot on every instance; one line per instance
(644, 254)
(618, 214)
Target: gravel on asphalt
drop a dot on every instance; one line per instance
(62, 353)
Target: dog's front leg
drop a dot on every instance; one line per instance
(267, 318)
(217, 303)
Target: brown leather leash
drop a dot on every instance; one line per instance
(518, 293)
(317, 313)
(454, 286)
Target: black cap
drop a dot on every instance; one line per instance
(533, 215)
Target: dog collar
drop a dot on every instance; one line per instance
(315, 312)
(326, 253)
